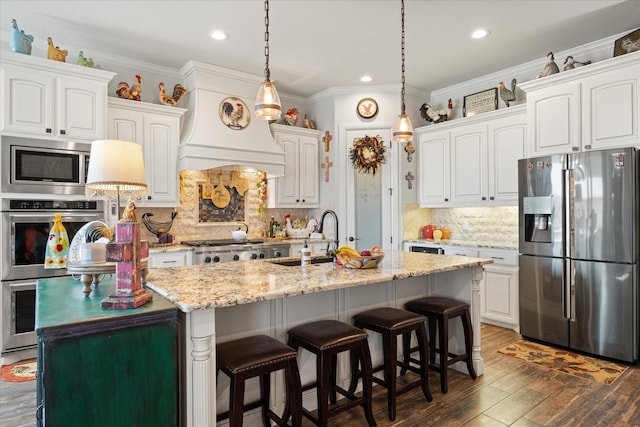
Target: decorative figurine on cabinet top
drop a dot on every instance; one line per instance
(291, 117)
(307, 123)
(133, 92)
(178, 93)
(508, 95)
(20, 42)
(436, 116)
(570, 63)
(85, 62)
(55, 52)
(550, 68)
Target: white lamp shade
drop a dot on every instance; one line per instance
(115, 166)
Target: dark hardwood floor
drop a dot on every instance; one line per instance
(511, 392)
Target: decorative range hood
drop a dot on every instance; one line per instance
(207, 142)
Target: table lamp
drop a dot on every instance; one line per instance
(117, 167)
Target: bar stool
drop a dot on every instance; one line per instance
(326, 339)
(259, 356)
(390, 323)
(439, 310)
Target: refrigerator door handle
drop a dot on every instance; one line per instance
(569, 291)
(569, 218)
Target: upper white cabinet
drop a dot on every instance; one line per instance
(473, 161)
(434, 159)
(51, 99)
(300, 185)
(589, 108)
(157, 128)
(507, 141)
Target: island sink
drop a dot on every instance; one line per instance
(297, 261)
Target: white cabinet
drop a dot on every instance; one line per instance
(53, 100)
(588, 108)
(507, 141)
(499, 291)
(172, 258)
(499, 302)
(300, 185)
(472, 162)
(469, 171)
(317, 248)
(157, 128)
(461, 251)
(434, 168)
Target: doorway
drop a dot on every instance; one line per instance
(371, 201)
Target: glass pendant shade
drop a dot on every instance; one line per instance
(268, 105)
(403, 129)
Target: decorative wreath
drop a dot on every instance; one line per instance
(367, 154)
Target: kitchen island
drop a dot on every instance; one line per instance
(230, 300)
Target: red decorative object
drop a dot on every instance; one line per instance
(127, 251)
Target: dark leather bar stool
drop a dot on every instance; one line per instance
(326, 339)
(390, 323)
(255, 356)
(438, 311)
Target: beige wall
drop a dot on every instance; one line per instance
(496, 224)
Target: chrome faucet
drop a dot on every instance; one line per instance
(335, 230)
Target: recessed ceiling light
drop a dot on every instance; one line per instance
(480, 33)
(219, 35)
(365, 79)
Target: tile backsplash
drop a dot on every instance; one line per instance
(497, 224)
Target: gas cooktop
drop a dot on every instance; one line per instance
(221, 242)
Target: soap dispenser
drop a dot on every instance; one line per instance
(306, 254)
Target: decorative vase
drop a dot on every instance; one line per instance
(19, 41)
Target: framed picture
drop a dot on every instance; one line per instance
(480, 102)
(234, 113)
(627, 44)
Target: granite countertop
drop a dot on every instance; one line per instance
(473, 243)
(201, 287)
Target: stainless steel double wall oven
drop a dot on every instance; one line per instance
(38, 179)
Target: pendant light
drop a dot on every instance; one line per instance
(402, 130)
(267, 102)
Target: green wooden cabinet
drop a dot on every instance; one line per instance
(99, 367)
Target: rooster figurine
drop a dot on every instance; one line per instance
(234, 114)
(178, 93)
(55, 52)
(133, 92)
(506, 94)
(436, 116)
(291, 117)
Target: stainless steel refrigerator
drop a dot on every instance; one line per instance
(578, 251)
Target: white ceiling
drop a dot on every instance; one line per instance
(316, 44)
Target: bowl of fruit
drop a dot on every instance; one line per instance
(349, 257)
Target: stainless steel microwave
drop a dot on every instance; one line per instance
(36, 166)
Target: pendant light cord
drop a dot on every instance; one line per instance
(267, 73)
(403, 109)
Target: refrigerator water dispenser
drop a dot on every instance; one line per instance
(537, 219)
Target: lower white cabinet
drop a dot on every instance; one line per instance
(317, 248)
(174, 258)
(499, 303)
